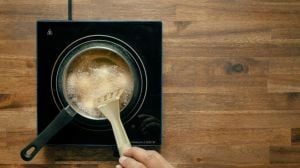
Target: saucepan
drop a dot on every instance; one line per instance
(89, 68)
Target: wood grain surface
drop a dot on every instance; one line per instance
(231, 81)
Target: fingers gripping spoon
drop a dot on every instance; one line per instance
(110, 108)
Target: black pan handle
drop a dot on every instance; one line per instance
(62, 119)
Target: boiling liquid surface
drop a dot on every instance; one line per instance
(93, 74)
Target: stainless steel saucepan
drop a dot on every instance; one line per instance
(87, 69)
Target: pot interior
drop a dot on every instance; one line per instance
(92, 74)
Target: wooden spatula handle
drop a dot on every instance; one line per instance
(111, 111)
(121, 137)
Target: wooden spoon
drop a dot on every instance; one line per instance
(110, 108)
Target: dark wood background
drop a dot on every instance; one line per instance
(231, 81)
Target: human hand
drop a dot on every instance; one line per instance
(140, 158)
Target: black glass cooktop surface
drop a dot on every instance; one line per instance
(144, 128)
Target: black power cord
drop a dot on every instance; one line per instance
(69, 9)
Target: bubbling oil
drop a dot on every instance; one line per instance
(93, 74)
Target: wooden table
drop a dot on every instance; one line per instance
(231, 81)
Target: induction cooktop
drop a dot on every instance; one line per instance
(145, 37)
